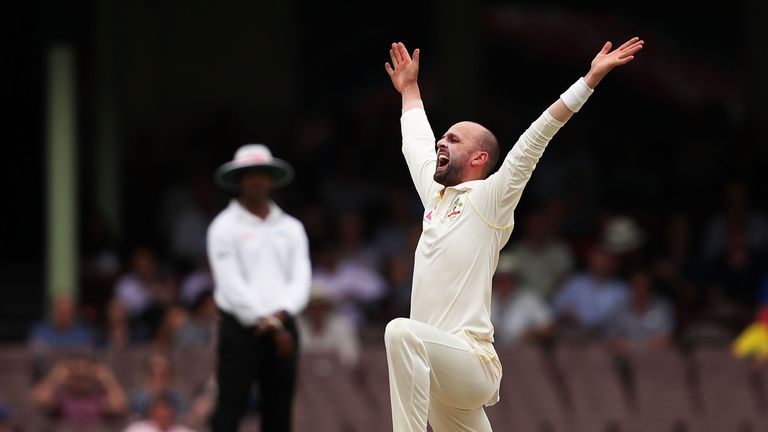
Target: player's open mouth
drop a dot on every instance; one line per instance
(442, 160)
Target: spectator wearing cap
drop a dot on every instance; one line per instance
(519, 314)
(324, 329)
(259, 258)
(623, 238)
(544, 260)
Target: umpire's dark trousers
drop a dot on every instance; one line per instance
(245, 358)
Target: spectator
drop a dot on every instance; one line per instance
(352, 245)
(645, 322)
(736, 273)
(137, 289)
(624, 239)
(82, 392)
(187, 210)
(676, 268)
(197, 282)
(399, 276)
(351, 283)
(752, 342)
(737, 211)
(323, 329)
(519, 314)
(202, 404)
(729, 296)
(117, 333)
(156, 381)
(198, 330)
(587, 300)
(392, 239)
(174, 319)
(146, 291)
(100, 265)
(61, 331)
(543, 259)
(161, 417)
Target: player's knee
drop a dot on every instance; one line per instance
(396, 331)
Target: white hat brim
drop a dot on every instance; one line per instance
(227, 175)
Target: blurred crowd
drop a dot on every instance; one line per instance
(685, 282)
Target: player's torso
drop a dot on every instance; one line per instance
(455, 260)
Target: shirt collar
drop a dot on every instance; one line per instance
(462, 187)
(275, 212)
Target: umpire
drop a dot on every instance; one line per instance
(260, 261)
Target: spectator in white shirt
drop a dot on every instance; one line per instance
(519, 314)
(259, 257)
(354, 285)
(544, 259)
(323, 329)
(161, 417)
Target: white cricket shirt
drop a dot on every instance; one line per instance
(260, 266)
(464, 228)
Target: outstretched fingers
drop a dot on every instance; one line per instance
(404, 52)
(630, 50)
(393, 55)
(629, 42)
(389, 69)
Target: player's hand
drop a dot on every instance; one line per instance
(404, 70)
(606, 59)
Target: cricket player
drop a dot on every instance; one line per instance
(442, 363)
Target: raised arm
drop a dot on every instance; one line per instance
(603, 63)
(504, 188)
(418, 138)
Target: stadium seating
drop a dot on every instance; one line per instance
(594, 388)
(661, 392)
(570, 389)
(727, 393)
(531, 396)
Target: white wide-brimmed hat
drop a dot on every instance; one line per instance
(622, 234)
(253, 156)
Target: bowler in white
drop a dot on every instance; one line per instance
(442, 365)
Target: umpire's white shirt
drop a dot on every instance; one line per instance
(260, 266)
(464, 228)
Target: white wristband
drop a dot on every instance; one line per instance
(576, 95)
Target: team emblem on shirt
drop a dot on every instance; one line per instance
(455, 209)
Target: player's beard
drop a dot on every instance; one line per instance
(450, 176)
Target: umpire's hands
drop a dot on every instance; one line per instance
(283, 343)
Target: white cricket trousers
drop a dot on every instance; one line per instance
(435, 376)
